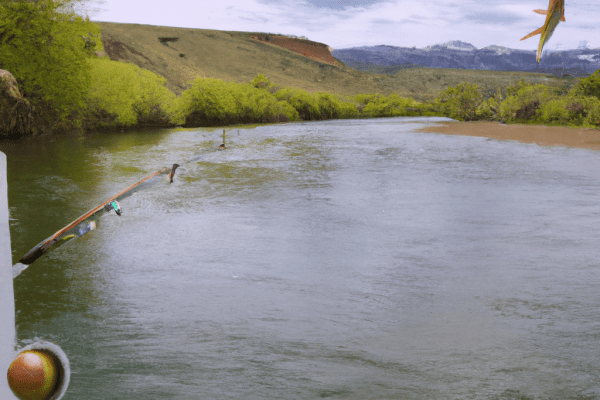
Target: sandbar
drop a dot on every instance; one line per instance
(585, 138)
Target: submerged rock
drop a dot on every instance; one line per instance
(15, 111)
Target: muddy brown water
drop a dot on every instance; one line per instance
(341, 259)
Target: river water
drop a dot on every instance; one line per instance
(340, 259)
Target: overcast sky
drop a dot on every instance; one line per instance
(350, 23)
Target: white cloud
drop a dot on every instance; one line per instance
(398, 22)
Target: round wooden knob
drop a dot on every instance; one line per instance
(33, 375)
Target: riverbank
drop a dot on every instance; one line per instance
(585, 138)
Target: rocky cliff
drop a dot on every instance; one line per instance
(314, 50)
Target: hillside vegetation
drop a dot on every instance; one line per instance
(237, 57)
(47, 49)
(231, 77)
(228, 56)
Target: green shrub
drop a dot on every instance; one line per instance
(391, 106)
(209, 102)
(257, 105)
(571, 110)
(460, 102)
(488, 109)
(591, 105)
(527, 111)
(47, 47)
(523, 102)
(348, 110)
(123, 94)
(304, 102)
(332, 107)
(329, 105)
(589, 86)
(214, 102)
(261, 82)
(554, 112)
(365, 99)
(426, 109)
(377, 105)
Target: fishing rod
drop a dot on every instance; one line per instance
(85, 223)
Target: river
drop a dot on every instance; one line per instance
(343, 259)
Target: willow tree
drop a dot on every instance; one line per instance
(45, 44)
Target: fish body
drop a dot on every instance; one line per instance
(554, 14)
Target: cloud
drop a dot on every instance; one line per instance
(383, 22)
(254, 19)
(491, 17)
(342, 23)
(330, 4)
(342, 4)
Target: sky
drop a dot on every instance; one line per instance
(353, 23)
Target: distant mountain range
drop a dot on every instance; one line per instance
(461, 55)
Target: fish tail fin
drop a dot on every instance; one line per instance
(536, 32)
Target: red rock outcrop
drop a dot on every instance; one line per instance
(316, 51)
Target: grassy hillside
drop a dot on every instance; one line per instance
(229, 56)
(185, 54)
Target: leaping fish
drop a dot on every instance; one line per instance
(554, 14)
